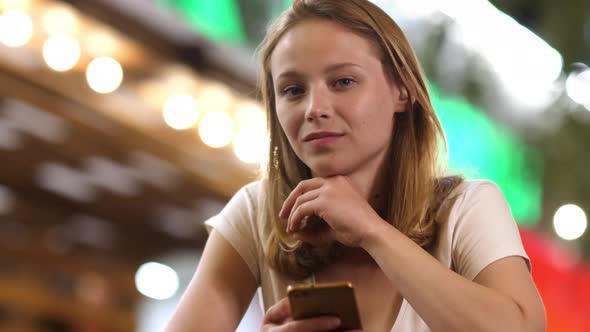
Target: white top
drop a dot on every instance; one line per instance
(477, 228)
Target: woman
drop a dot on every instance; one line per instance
(353, 193)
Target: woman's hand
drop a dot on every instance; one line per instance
(349, 217)
(278, 319)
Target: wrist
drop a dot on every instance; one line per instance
(375, 235)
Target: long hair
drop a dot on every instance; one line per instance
(413, 165)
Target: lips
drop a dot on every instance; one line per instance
(321, 134)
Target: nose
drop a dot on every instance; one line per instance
(318, 105)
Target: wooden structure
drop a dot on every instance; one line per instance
(92, 186)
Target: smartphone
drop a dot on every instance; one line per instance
(325, 299)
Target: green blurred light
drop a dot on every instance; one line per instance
(219, 20)
(286, 4)
(480, 149)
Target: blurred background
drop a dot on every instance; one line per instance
(124, 124)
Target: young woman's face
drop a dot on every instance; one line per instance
(333, 99)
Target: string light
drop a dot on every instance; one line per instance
(60, 20)
(250, 115)
(251, 142)
(61, 53)
(16, 28)
(216, 129)
(104, 74)
(15, 4)
(101, 42)
(181, 111)
(251, 145)
(215, 97)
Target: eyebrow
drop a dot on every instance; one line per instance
(336, 66)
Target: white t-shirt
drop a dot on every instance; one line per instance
(476, 229)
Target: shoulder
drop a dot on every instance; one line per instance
(479, 227)
(241, 207)
(251, 192)
(252, 189)
(475, 202)
(469, 190)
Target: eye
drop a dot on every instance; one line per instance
(291, 91)
(344, 82)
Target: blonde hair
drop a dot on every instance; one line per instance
(413, 166)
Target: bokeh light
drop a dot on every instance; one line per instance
(101, 42)
(577, 87)
(157, 281)
(250, 115)
(61, 19)
(216, 129)
(181, 111)
(251, 142)
(251, 145)
(570, 222)
(61, 53)
(15, 4)
(16, 28)
(215, 97)
(104, 74)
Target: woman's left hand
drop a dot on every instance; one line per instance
(349, 217)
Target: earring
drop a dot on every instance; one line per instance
(275, 158)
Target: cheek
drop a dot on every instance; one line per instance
(372, 110)
(376, 124)
(288, 123)
(283, 121)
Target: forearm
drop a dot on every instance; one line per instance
(445, 300)
(209, 313)
(219, 293)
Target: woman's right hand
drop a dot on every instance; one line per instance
(278, 319)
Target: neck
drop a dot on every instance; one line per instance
(371, 184)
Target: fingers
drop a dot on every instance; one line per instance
(302, 188)
(279, 312)
(325, 323)
(278, 319)
(295, 219)
(326, 234)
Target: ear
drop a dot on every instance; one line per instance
(402, 99)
